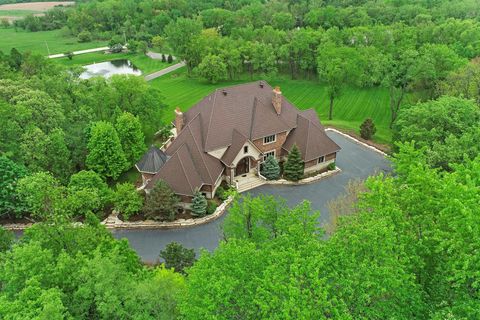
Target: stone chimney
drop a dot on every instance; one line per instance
(179, 120)
(277, 100)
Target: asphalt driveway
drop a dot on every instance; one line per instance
(356, 162)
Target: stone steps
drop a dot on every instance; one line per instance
(250, 184)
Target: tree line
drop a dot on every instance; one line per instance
(57, 128)
(405, 248)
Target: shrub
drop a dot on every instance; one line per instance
(199, 204)
(127, 201)
(84, 36)
(331, 166)
(211, 207)
(270, 168)
(293, 168)
(170, 58)
(69, 55)
(221, 193)
(367, 129)
(178, 257)
(163, 58)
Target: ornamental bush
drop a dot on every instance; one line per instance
(367, 129)
(270, 168)
(293, 168)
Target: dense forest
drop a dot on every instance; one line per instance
(405, 248)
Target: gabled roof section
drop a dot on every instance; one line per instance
(246, 108)
(179, 173)
(152, 161)
(311, 139)
(238, 140)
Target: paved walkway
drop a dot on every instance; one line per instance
(356, 162)
(61, 55)
(162, 72)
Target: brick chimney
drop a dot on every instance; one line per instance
(179, 120)
(277, 100)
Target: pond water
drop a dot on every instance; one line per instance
(110, 68)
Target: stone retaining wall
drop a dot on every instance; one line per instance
(308, 180)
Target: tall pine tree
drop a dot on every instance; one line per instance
(293, 169)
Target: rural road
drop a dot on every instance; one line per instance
(356, 162)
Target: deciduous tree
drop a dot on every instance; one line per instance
(129, 130)
(105, 153)
(178, 257)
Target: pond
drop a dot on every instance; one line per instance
(110, 68)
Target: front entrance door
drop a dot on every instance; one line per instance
(243, 167)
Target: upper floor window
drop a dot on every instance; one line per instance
(270, 139)
(245, 149)
(321, 159)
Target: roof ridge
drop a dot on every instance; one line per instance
(183, 168)
(211, 115)
(201, 154)
(254, 111)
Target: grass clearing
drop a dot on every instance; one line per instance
(350, 109)
(145, 64)
(58, 41)
(17, 12)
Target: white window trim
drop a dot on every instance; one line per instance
(274, 139)
(265, 154)
(318, 160)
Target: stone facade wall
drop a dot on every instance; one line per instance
(277, 145)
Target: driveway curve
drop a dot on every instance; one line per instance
(356, 162)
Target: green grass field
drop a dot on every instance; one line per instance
(350, 110)
(17, 13)
(57, 41)
(141, 61)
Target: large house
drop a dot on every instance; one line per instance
(228, 134)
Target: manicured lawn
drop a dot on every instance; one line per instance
(141, 61)
(58, 41)
(350, 110)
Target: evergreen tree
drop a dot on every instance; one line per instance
(367, 129)
(131, 137)
(199, 204)
(270, 168)
(170, 58)
(105, 153)
(161, 202)
(163, 58)
(293, 169)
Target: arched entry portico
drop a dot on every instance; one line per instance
(243, 166)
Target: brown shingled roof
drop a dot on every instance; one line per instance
(310, 138)
(227, 118)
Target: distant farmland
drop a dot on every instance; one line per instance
(14, 11)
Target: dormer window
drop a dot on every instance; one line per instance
(245, 149)
(270, 139)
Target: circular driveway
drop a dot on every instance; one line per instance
(356, 162)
